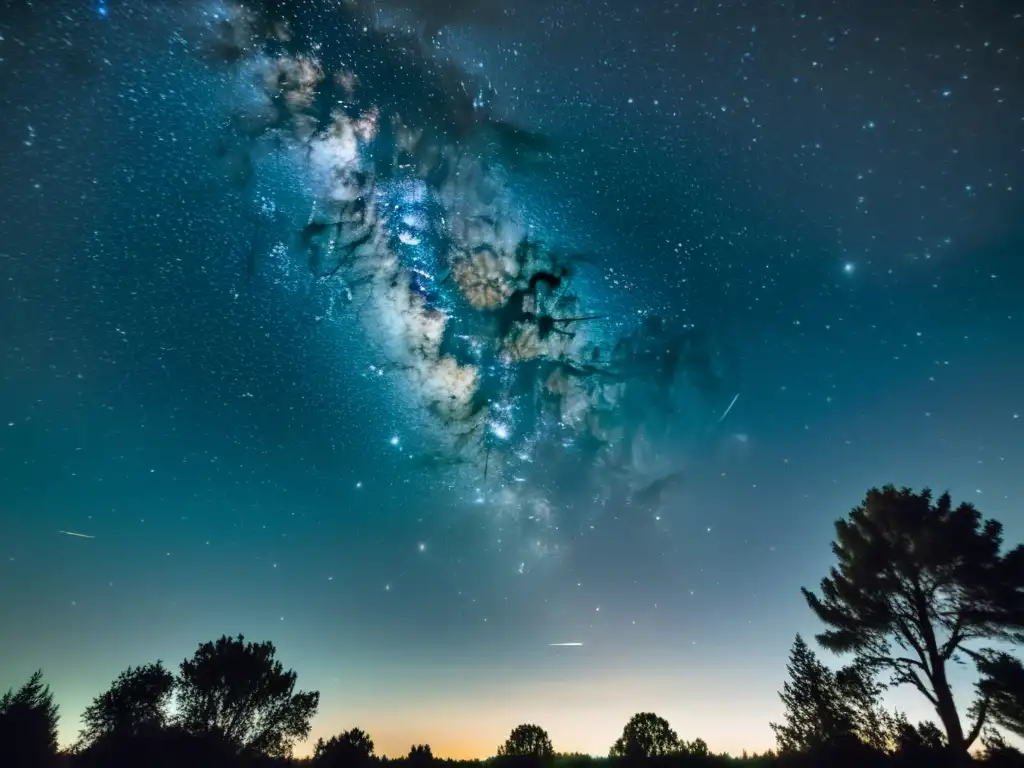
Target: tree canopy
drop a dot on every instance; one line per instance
(646, 735)
(352, 748)
(696, 748)
(28, 724)
(815, 713)
(928, 578)
(527, 741)
(923, 739)
(873, 725)
(136, 702)
(239, 692)
(420, 754)
(1002, 683)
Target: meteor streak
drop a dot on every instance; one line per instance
(565, 645)
(722, 417)
(77, 535)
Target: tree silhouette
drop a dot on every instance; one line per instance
(575, 760)
(527, 741)
(135, 703)
(1002, 684)
(237, 691)
(928, 578)
(420, 755)
(816, 714)
(919, 742)
(998, 753)
(168, 747)
(695, 748)
(28, 725)
(351, 748)
(861, 694)
(645, 735)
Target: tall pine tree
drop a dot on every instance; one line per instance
(816, 714)
(28, 725)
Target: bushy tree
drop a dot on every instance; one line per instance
(861, 695)
(917, 742)
(238, 692)
(928, 578)
(168, 747)
(816, 713)
(135, 703)
(646, 735)
(997, 752)
(527, 741)
(351, 749)
(28, 725)
(420, 755)
(695, 748)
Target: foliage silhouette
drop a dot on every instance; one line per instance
(1002, 684)
(28, 725)
(168, 747)
(420, 755)
(929, 578)
(924, 738)
(696, 748)
(135, 703)
(645, 735)
(527, 741)
(574, 760)
(238, 708)
(352, 748)
(998, 752)
(815, 713)
(239, 692)
(861, 693)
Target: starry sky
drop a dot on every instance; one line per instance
(820, 200)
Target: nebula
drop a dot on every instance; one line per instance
(413, 224)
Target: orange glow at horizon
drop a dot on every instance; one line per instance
(579, 716)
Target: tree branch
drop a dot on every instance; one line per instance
(916, 681)
(979, 724)
(955, 638)
(901, 623)
(881, 660)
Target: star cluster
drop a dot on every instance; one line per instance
(412, 225)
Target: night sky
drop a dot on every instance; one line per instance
(822, 200)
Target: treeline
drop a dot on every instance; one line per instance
(918, 585)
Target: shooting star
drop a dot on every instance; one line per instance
(722, 417)
(77, 535)
(565, 645)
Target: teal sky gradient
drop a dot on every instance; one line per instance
(846, 230)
